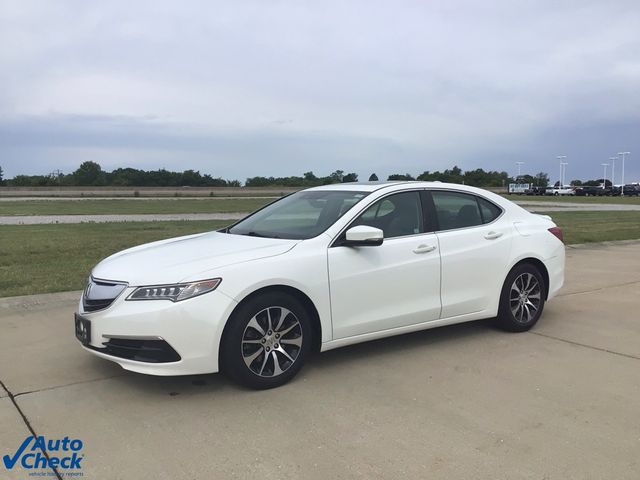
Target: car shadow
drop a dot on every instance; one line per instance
(401, 344)
(190, 385)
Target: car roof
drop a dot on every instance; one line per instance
(392, 185)
(407, 185)
(359, 186)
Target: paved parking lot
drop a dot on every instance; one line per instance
(467, 401)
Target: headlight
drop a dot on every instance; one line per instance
(176, 292)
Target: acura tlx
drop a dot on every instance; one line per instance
(319, 269)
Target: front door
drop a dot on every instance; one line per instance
(395, 284)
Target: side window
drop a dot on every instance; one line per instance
(396, 215)
(489, 211)
(456, 210)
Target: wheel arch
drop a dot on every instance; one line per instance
(542, 268)
(316, 325)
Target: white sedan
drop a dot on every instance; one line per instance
(319, 269)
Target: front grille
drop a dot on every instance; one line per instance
(151, 351)
(99, 294)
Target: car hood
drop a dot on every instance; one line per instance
(194, 257)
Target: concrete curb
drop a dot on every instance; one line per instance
(29, 302)
(611, 243)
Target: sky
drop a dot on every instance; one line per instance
(244, 88)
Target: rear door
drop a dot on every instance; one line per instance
(475, 244)
(395, 284)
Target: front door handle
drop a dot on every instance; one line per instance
(424, 248)
(493, 235)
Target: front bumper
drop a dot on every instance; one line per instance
(160, 337)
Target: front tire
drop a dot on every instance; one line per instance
(522, 298)
(266, 341)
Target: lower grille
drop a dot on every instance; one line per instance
(93, 305)
(150, 351)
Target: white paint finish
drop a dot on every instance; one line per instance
(378, 288)
(474, 262)
(193, 328)
(362, 233)
(304, 268)
(183, 258)
(360, 293)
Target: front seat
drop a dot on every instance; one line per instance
(405, 219)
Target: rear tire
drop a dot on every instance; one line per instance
(266, 341)
(522, 298)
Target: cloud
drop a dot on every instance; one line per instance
(287, 87)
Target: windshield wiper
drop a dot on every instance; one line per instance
(256, 234)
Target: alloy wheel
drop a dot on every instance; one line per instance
(272, 341)
(525, 297)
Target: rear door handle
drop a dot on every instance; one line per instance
(493, 235)
(424, 249)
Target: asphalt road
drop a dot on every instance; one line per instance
(461, 402)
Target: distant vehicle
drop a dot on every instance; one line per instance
(633, 190)
(590, 191)
(560, 191)
(629, 190)
(518, 188)
(535, 191)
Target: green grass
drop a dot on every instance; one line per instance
(56, 258)
(587, 227)
(573, 199)
(128, 206)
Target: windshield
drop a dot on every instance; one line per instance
(302, 215)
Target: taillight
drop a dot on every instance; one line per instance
(557, 232)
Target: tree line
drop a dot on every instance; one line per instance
(308, 179)
(476, 178)
(91, 174)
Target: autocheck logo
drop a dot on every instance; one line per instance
(40, 453)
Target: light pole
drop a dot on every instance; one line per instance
(613, 170)
(519, 164)
(622, 183)
(604, 179)
(562, 164)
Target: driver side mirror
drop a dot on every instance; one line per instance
(363, 236)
